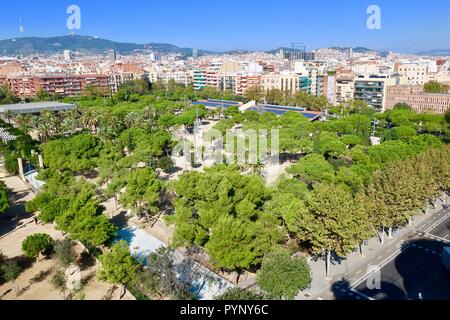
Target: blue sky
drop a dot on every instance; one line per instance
(246, 24)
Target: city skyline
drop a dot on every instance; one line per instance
(410, 27)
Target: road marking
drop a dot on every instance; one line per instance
(380, 266)
(358, 272)
(446, 236)
(379, 257)
(437, 223)
(440, 239)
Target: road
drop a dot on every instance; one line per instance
(408, 269)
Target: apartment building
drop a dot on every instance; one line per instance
(418, 99)
(293, 55)
(11, 67)
(199, 79)
(64, 85)
(288, 83)
(212, 78)
(179, 77)
(227, 82)
(330, 88)
(244, 82)
(118, 78)
(416, 73)
(373, 89)
(345, 88)
(24, 86)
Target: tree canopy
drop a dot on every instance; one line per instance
(282, 276)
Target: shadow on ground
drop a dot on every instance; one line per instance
(417, 273)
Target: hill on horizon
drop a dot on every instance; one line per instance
(83, 44)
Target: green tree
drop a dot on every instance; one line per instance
(313, 168)
(11, 271)
(282, 276)
(238, 294)
(274, 96)
(37, 244)
(162, 277)
(435, 87)
(59, 283)
(254, 94)
(336, 222)
(329, 145)
(447, 116)
(4, 199)
(253, 241)
(65, 252)
(142, 193)
(118, 266)
(288, 208)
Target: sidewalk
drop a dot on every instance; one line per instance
(372, 250)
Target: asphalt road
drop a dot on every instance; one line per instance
(416, 274)
(413, 270)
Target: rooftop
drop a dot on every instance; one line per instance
(213, 104)
(280, 110)
(36, 107)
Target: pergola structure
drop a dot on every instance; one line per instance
(5, 136)
(36, 107)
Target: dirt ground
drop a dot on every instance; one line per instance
(34, 282)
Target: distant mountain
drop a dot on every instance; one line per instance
(435, 53)
(360, 50)
(84, 44)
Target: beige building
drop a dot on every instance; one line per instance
(289, 83)
(415, 73)
(10, 68)
(345, 88)
(419, 100)
(179, 77)
(230, 67)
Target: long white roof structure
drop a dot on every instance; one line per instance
(36, 107)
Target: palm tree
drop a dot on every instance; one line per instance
(24, 123)
(132, 119)
(254, 168)
(90, 120)
(50, 122)
(106, 133)
(9, 115)
(68, 126)
(151, 117)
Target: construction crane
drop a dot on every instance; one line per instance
(298, 45)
